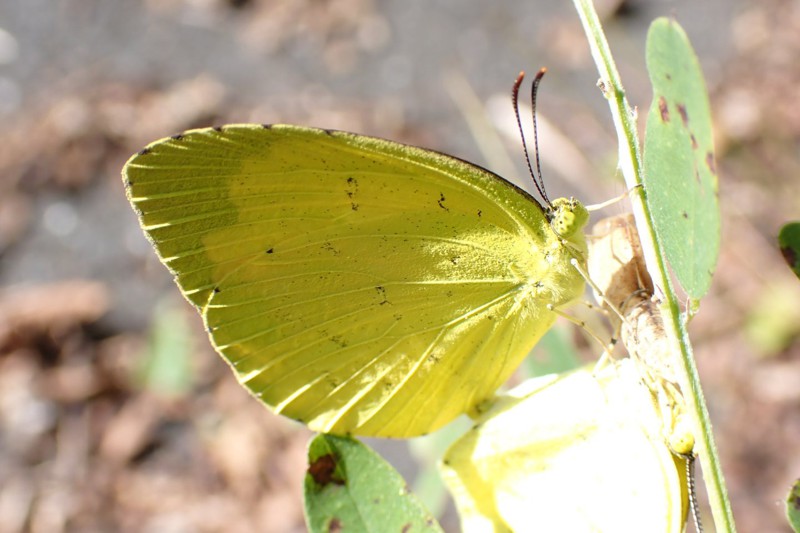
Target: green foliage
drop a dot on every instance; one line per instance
(349, 488)
(680, 174)
(789, 242)
(553, 354)
(793, 506)
(427, 451)
(773, 320)
(165, 367)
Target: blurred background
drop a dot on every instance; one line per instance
(116, 415)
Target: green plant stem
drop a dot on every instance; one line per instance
(630, 161)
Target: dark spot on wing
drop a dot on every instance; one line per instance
(382, 292)
(684, 115)
(663, 109)
(480, 213)
(331, 248)
(217, 290)
(177, 137)
(335, 525)
(267, 126)
(668, 76)
(144, 151)
(329, 132)
(406, 528)
(694, 141)
(270, 250)
(352, 189)
(218, 129)
(323, 470)
(441, 202)
(339, 341)
(685, 215)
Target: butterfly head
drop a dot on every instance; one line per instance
(567, 217)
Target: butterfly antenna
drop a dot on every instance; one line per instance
(537, 177)
(534, 92)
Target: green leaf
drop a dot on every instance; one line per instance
(773, 318)
(553, 354)
(166, 367)
(427, 451)
(789, 241)
(793, 506)
(680, 174)
(349, 488)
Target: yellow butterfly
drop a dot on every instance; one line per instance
(358, 285)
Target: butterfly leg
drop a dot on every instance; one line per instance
(608, 347)
(612, 201)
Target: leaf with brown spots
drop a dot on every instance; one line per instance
(680, 175)
(349, 487)
(323, 470)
